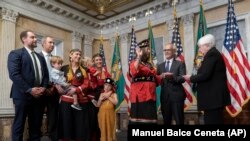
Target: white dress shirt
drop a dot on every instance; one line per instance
(38, 63)
(170, 63)
(47, 57)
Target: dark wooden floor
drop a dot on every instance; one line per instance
(122, 136)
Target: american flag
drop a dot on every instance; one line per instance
(101, 51)
(237, 65)
(128, 77)
(176, 41)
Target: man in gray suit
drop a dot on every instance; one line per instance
(172, 91)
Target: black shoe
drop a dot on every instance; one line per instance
(76, 106)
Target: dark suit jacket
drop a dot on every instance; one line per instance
(172, 89)
(22, 73)
(212, 91)
(40, 53)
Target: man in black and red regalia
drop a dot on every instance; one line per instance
(143, 86)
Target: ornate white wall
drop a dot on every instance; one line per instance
(7, 43)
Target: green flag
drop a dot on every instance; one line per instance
(153, 60)
(117, 75)
(202, 30)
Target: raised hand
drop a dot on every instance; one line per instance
(139, 52)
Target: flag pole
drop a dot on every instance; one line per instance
(179, 55)
(131, 20)
(116, 32)
(204, 28)
(150, 46)
(232, 39)
(101, 38)
(175, 17)
(101, 52)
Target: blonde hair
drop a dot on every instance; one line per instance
(56, 59)
(72, 51)
(86, 62)
(70, 72)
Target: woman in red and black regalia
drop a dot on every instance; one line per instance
(74, 124)
(143, 87)
(102, 74)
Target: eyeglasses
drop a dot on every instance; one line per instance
(167, 49)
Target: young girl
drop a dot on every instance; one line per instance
(88, 63)
(106, 114)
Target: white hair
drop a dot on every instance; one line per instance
(207, 39)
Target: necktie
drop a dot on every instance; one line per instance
(37, 75)
(167, 66)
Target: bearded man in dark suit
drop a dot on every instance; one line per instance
(29, 74)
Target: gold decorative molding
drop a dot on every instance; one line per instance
(102, 6)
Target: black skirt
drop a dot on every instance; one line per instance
(73, 124)
(143, 112)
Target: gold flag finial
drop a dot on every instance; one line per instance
(149, 23)
(201, 2)
(174, 11)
